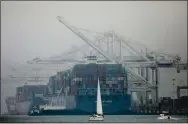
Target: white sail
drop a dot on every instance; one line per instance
(99, 103)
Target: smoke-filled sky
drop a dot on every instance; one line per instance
(31, 29)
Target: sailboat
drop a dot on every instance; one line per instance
(99, 116)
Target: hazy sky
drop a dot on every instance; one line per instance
(31, 29)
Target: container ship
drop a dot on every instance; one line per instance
(79, 88)
(113, 81)
(74, 92)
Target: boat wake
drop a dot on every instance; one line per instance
(170, 118)
(178, 118)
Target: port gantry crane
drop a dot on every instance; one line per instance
(26, 77)
(29, 73)
(137, 63)
(141, 59)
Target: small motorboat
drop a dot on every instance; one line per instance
(164, 115)
(35, 111)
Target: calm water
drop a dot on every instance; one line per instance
(108, 118)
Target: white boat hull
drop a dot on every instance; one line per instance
(22, 108)
(99, 118)
(162, 116)
(49, 107)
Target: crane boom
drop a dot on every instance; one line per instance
(112, 58)
(85, 39)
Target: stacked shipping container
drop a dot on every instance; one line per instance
(59, 82)
(27, 92)
(84, 76)
(110, 76)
